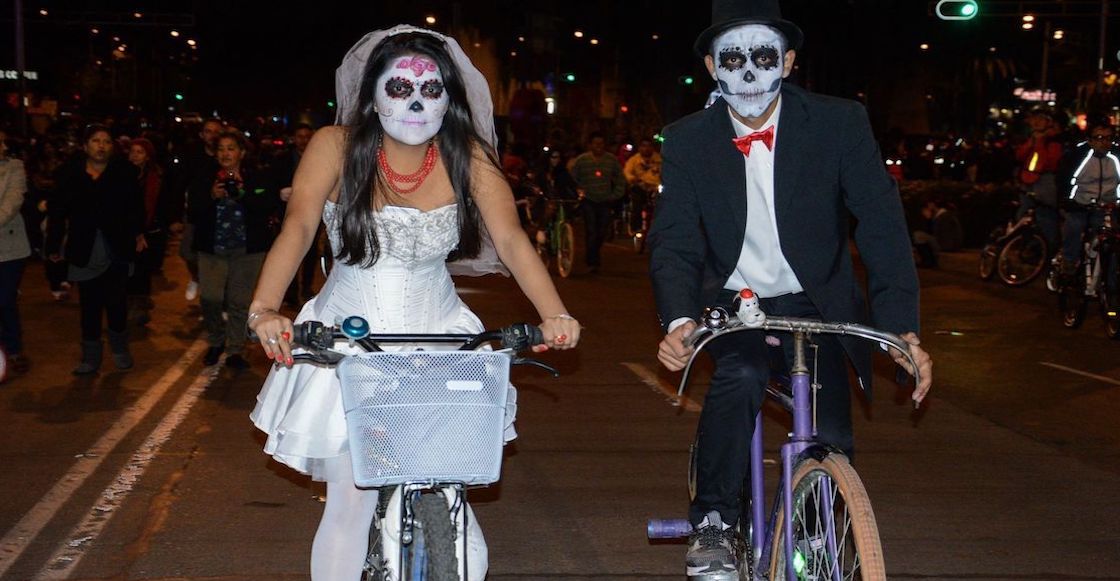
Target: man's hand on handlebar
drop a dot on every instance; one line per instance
(274, 331)
(672, 352)
(925, 365)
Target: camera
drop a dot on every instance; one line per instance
(229, 181)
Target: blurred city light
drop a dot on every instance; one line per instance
(175, 33)
(430, 19)
(578, 34)
(1028, 26)
(594, 41)
(924, 46)
(43, 12)
(570, 77)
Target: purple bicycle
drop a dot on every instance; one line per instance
(831, 531)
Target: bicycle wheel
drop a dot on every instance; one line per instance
(859, 553)
(1022, 259)
(432, 554)
(542, 249)
(988, 262)
(565, 250)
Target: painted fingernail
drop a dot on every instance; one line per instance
(290, 361)
(286, 336)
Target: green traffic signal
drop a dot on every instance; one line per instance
(957, 9)
(178, 96)
(570, 77)
(686, 79)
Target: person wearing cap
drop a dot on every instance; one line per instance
(1038, 159)
(760, 191)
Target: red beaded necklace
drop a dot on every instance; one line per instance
(409, 182)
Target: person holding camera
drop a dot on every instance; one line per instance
(232, 232)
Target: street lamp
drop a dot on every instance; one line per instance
(578, 34)
(430, 19)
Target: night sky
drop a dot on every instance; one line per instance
(280, 56)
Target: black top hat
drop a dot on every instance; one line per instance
(731, 13)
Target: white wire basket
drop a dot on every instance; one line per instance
(425, 416)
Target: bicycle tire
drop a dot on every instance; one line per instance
(1021, 260)
(565, 250)
(987, 266)
(543, 252)
(861, 551)
(1111, 322)
(433, 521)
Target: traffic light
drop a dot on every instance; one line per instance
(957, 9)
(686, 79)
(570, 77)
(178, 96)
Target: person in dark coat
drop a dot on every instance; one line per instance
(759, 191)
(98, 209)
(232, 212)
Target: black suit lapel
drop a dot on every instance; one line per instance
(727, 169)
(790, 150)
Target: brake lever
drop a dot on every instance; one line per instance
(535, 363)
(322, 357)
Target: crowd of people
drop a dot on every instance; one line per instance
(98, 205)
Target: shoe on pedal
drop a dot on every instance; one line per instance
(714, 550)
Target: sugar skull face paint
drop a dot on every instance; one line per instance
(749, 63)
(411, 100)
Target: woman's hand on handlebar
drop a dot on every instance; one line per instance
(924, 361)
(274, 331)
(672, 352)
(560, 332)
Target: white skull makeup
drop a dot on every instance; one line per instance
(749, 61)
(410, 99)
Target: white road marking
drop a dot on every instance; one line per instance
(1081, 373)
(17, 539)
(84, 534)
(659, 385)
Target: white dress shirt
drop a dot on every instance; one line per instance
(762, 267)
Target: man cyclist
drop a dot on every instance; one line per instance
(1092, 179)
(643, 175)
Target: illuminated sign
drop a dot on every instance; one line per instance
(11, 74)
(1035, 94)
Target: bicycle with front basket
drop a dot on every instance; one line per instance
(423, 425)
(821, 524)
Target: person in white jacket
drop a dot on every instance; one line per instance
(14, 250)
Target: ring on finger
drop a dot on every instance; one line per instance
(272, 341)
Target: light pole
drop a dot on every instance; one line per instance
(1100, 46)
(21, 65)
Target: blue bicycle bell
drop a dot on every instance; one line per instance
(355, 327)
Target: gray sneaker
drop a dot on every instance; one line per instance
(713, 552)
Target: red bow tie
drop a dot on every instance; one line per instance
(744, 143)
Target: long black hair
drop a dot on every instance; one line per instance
(457, 139)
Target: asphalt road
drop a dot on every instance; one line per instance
(1009, 472)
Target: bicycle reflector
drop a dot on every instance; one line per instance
(957, 9)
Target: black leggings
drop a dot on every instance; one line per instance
(106, 293)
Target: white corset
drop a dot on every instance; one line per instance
(409, 288)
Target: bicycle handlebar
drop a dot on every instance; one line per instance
(319, 339)
(705, 334)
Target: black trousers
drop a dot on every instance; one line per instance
(107, 293)
(597, 221)
(743, 363)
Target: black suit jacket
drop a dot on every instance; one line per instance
(827, 170)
